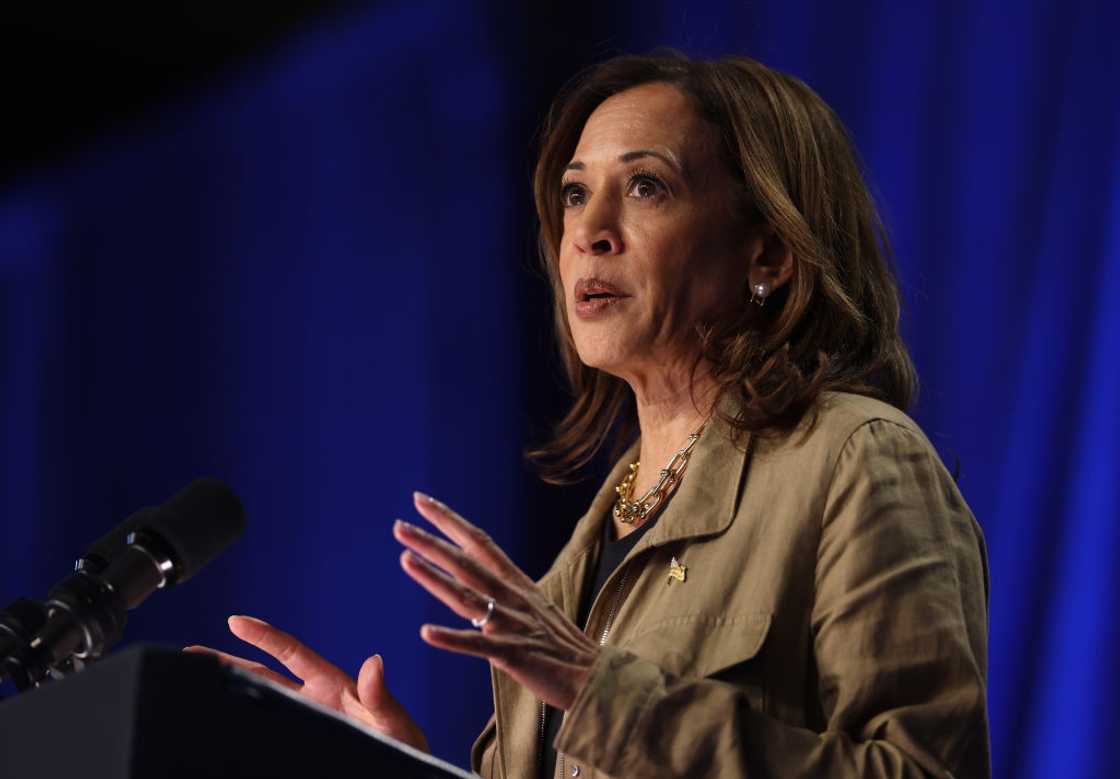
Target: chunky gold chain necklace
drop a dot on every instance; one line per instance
(630, 511)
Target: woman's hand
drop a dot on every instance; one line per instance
(366, 700)
(526, 635)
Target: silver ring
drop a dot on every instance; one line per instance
(478, 622)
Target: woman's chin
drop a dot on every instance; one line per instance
(619, 351)
(608, 360)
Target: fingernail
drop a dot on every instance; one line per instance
(409, 556)
(247, 618)
(406, 527)
(422, 496)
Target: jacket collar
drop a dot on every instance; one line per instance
(708, 494)
(705, 503)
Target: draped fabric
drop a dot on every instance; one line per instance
(309, 280)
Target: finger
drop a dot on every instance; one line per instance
(372, 690)
(553, 680)
(380, 709)
(290, 653)
(461, 599)
(371, 684)
(499, 648)
(474, 540)
(471, 642)
(248, 665)
(451, 558)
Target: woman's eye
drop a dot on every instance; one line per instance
(572, 195)
(645, 186)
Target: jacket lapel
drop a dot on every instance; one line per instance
(708, 494)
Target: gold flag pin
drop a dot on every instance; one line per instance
(677, 571)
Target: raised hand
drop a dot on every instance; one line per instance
(366, 700)
(523, 633)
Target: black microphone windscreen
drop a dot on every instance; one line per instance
(197, 523)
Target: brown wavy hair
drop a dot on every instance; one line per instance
(834, 326)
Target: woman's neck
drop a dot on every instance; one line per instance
(668, 413)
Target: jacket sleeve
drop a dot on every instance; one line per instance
(898, 627)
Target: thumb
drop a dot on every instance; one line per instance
(372, 692)
(388, 715)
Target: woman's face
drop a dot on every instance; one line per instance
(651, 244)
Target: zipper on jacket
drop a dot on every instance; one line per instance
(540, 734)
(614, 608)
(602, 642)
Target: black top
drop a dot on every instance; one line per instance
(611, 554)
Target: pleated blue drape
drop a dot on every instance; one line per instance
(301, 281)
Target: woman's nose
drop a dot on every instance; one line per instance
(597, 232)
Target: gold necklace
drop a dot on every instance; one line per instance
(630, 511)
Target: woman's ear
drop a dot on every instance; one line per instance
(771, 259)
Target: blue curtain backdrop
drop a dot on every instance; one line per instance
(309, 280)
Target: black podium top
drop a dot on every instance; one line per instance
(152, 712)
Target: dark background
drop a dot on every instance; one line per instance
(294, 248)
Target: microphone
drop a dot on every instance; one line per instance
(156, 547)
(98, 554)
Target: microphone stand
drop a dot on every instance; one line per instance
(18, 623)
(84, 613)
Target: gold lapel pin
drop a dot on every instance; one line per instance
(677, 571)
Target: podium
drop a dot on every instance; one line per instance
(150, 712)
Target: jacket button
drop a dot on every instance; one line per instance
(575, 770)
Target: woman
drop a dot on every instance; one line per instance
(801, 591)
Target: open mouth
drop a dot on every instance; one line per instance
(592, 289)
(594, 297)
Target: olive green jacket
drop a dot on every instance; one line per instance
(832, 620)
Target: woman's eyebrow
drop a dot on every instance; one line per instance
(668, 158)
(637, 154)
